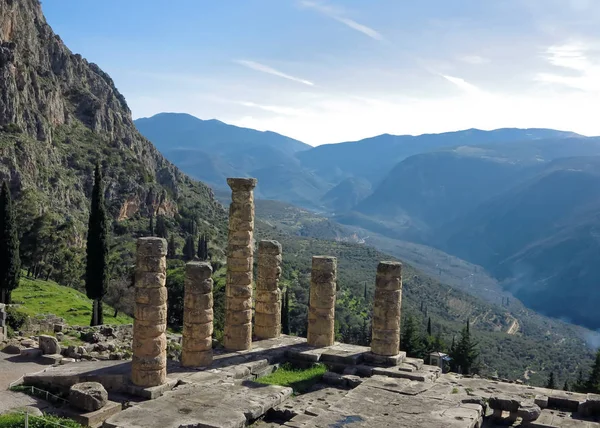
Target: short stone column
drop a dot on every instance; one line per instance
(197, 315)
(267, 318)
(321, 314)
(238, 290)
(386, 309)
(149, 365)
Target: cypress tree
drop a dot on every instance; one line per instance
(551, 384)
(10, 267)
(365, 292)
(593, 383)
(188, 248)
(151, 225)
(464, 353)
(285, 313)
(566, 386)
(171, 248)
(579, 385)
(202, 248)
(96, 270)
(411, 339)
(161, 227)
(429, 326)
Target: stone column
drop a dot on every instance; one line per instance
(321, 314)
(149, 365)
(386, 309)
(238, 307)
(197, 315)
(267, 319)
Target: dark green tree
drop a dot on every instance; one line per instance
(464, 353)
(285, 313)
(593, 382)
(202, 248)
(188, 248)
(10, 268)
(411, 341)
(438, 343)
(160, 229)
(566, 386)
(171, 248)
(96, 271)
(365, 292)
(551, 384)
(580, 384)
(151, 226)
(429, 326)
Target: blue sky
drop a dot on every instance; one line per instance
(326, 72)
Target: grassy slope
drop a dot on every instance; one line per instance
(47, 297)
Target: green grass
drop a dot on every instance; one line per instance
(298, 379)
(47, 297)
(15, 420)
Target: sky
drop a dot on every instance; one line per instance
(343, 70)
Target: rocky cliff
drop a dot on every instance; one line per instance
(60, 113)
(59, 116)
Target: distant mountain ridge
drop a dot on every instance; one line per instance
(508, 199)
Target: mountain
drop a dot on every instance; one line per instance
(211, 151)
(59, 115)
(424, 192)
(372, 158)
(541, 237)
(347, 194)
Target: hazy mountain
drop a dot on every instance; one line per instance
(347, 194)
(542, 238)
(372, 158)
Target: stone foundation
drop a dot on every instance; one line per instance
(321, 313)
(197, 316)
(267, 320)
(149, 365)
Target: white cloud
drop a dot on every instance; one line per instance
(580, 69)
(338, 16)
(474, 59)
(257, 66)
(467, 87)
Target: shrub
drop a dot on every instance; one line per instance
(17, 420)
(15, 318)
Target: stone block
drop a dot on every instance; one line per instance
(89, 396)
(149, 363)
(49, 344)
(151, 246)
(149, 377)
(196, 358)
(199, 316)
(238, 291)
(146, 329)
(267, 331)
(150, 347)
(152, 313)
(239, 279)
(150, 279)
(151, 263)
(200, 301)
(238, 317)
(197, 344)
(151, 296)
(239, 264)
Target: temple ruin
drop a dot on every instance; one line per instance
(363, 386)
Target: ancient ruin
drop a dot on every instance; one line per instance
(362, 387)
(149, 365)
(321, 312)
(386, 309)
(197, 315)
(240, 249)
(267, 318)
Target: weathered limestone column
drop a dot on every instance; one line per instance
(238, 307)
(149, 365)
(197, 315)
(267, 318)
(386, 309)
(321, 314)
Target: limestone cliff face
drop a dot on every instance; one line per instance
(59, 114)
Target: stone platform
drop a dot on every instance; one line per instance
(353, 393)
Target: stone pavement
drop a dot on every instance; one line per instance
(352, 394)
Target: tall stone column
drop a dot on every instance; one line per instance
(321, 314)
(387, 309)
(197, 315)
(238, 307)
(267, 318)
(149, 365)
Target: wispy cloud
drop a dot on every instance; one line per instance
(339, 16)
(582, 70)
(288, 111)
(257, 66)
(474, 59)
(463, 84)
